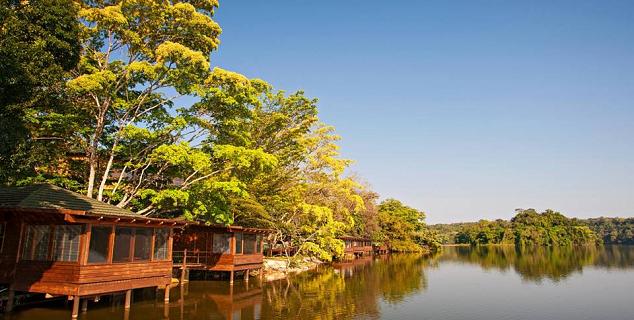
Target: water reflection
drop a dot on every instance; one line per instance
(346, 290)
(395, 286)
(539, 263)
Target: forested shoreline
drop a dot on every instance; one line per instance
(548, 228)
(91, 96)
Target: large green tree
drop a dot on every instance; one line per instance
(39, 44)
(403, 228)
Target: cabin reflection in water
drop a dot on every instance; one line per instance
(347, 268)
(60, 243)
(200, 300)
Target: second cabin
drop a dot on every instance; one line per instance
(357, 246)
(214, 248)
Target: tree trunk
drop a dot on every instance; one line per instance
(91, 176)
(106, 173)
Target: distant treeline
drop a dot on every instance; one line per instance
(527, 228)
(612, 230)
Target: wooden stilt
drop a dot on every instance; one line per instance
(246, 276)
(10, 300)
(231, 277)
(84, 305)
(128, 299)
(184, 267)
(166, 311)
(75, 312)
(167, 294)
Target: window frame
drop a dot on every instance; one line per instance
(25, 239)
(109, 247)
(235, 241)
(150, 252)
(54, 243)
(167, 243)
(130, 244)
(228, 236)
(254, 246)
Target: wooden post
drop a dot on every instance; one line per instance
(246, 276)
(84, 305)
(10, 300)
(75, 312)
(128, 299)
(231, 277)
(183, 267)
(166, 299)
(166, 311)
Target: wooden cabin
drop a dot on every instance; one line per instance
(357, 246)
(58, 242)
(214, 248)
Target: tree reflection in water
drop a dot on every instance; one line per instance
(539, 263)
(346, 290)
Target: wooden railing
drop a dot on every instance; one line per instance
(189, 258)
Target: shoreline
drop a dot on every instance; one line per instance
(276, 268)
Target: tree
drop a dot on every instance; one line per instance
(39, 44)
(528, 228)
(403, 228)
(132, 52)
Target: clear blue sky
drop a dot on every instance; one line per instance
(463, 109)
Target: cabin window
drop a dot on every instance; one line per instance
(36, 242)
(122, 244)
(238, 242)
(222, 243)
(249, 243)
(66, 242)
(142, 243)
(99, 243)
(160, 244)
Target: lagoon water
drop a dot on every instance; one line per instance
(487, 283)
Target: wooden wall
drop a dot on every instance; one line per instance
(73, 278)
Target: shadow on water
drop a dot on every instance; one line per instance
(539, 263)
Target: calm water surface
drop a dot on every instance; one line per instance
(491, 283)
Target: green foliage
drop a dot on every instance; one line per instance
(402, 228)
(612, 230)
(528, 228)
(38, 46)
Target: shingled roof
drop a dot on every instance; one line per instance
(47, 196)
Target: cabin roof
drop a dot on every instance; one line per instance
(47, 198)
